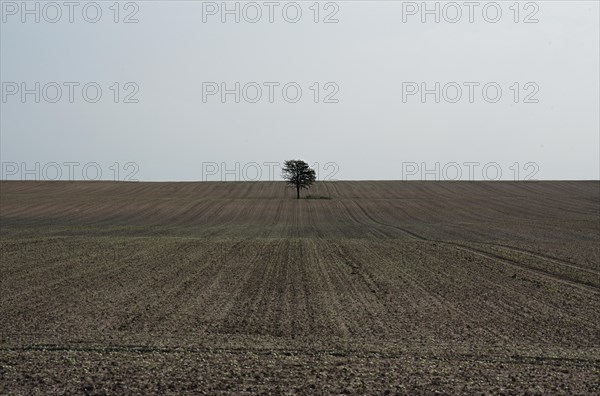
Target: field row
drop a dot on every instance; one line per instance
(410, 291)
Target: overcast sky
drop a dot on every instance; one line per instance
(366, 71)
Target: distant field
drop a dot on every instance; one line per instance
(396, 287)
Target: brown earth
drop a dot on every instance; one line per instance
(386, 288)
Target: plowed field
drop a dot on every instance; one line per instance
(386, 288)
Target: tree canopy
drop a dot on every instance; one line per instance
(298, 174)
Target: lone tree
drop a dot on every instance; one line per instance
(298, 174)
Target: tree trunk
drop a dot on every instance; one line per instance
(297, 192)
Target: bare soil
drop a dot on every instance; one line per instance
(237, 288)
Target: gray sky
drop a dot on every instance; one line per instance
(370, 57)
